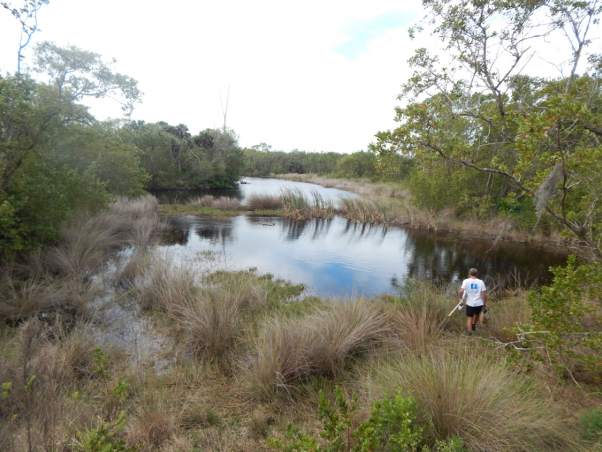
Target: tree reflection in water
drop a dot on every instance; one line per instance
(338, 256)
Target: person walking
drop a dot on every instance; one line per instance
(475, 292)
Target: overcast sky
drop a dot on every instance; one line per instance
(312, 75)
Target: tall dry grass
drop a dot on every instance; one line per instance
(202, 201)
(162, 284)
(220, 203)
(464, 391)
(226, 203)
(58, 281)
(259, 201)
(46, 296)
(41, 372)
(291, 350)
(419, 316)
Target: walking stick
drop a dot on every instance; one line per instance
(453, 310)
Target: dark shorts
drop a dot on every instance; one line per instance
(472, 310)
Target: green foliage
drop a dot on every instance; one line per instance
(358, 164)
(591, 425)
(566, 316)
(391, 424)
(523, 136)
(101, 362)
(6, 387)
(37, 191)
(102, 438)
(261, 160)
(391, 427)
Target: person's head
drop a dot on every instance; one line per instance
(473, 272)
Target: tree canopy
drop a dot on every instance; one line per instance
(486, 104)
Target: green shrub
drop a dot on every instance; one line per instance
(391, 427)
(567, 318)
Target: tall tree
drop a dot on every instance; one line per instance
(27, 15)
(482, 105)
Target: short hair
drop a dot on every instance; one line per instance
(473, 272)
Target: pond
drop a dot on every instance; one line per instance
(248, 186)
(337, 256)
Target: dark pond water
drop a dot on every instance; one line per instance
(335, 257)
(249, 185)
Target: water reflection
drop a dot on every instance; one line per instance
(249, 186)
(338, 256)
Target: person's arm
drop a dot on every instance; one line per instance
(484, 297)
(461, 293)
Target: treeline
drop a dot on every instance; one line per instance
(261, 160)
(57, 159)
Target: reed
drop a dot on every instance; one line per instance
(296, 205)
(365, 210)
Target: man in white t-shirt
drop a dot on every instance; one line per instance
(475, 292)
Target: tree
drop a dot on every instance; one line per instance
(36, 189)
(484, 109)
(27, 15)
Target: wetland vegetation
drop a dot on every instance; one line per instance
(112, 341)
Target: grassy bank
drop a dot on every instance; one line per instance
(389, 203)
(242, 354)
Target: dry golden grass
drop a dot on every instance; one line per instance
(226, 203)
(291, 350)
(202, 201)
(260, 201)
(464, 391)
(420, 316)
(164, 284)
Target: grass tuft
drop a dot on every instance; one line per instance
(262, 201)
(463, 391)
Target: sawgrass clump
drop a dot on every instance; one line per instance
(290, 350)
(464, 391)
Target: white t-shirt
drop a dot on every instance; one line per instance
(472, 291)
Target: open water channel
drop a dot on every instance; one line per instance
(337, 256)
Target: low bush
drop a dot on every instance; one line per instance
(391, 426)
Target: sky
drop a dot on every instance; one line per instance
(311, 75)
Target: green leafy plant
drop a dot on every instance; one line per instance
(566, 317)
(391, 427)
(102, 438)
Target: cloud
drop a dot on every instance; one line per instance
(362, 32)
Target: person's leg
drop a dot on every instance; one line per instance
(475, 317)
(469, 322)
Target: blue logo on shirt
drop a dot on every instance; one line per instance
(473, 286)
